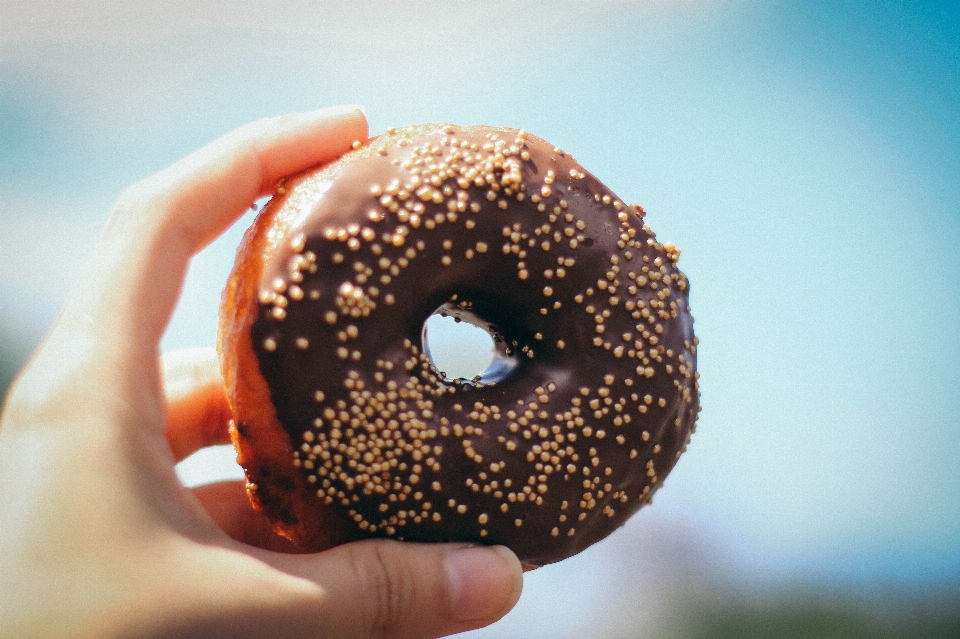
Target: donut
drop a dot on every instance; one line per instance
(345, 427)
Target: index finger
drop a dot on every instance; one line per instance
(161, 222)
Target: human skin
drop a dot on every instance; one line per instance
(98, 536)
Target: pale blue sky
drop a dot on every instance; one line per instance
(804, 156)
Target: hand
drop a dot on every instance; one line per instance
(99, 538)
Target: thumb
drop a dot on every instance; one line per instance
(384, 588)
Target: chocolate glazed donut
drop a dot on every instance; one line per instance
(347, 430)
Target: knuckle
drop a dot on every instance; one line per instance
(134, 205)
(135, 196)
(153, 205)
(390, 586)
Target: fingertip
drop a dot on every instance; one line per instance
(485, 583)
(342, 110)
(292, 143)
(353, 116)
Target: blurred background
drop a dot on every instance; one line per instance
(804, 156)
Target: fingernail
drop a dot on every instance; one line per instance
(343, 109)
(485, 582)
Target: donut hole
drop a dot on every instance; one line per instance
(463, 349)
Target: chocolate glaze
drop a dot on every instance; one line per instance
(500, 225)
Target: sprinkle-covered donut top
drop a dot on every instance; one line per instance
(592, 394)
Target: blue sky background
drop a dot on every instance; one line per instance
(804, 156)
